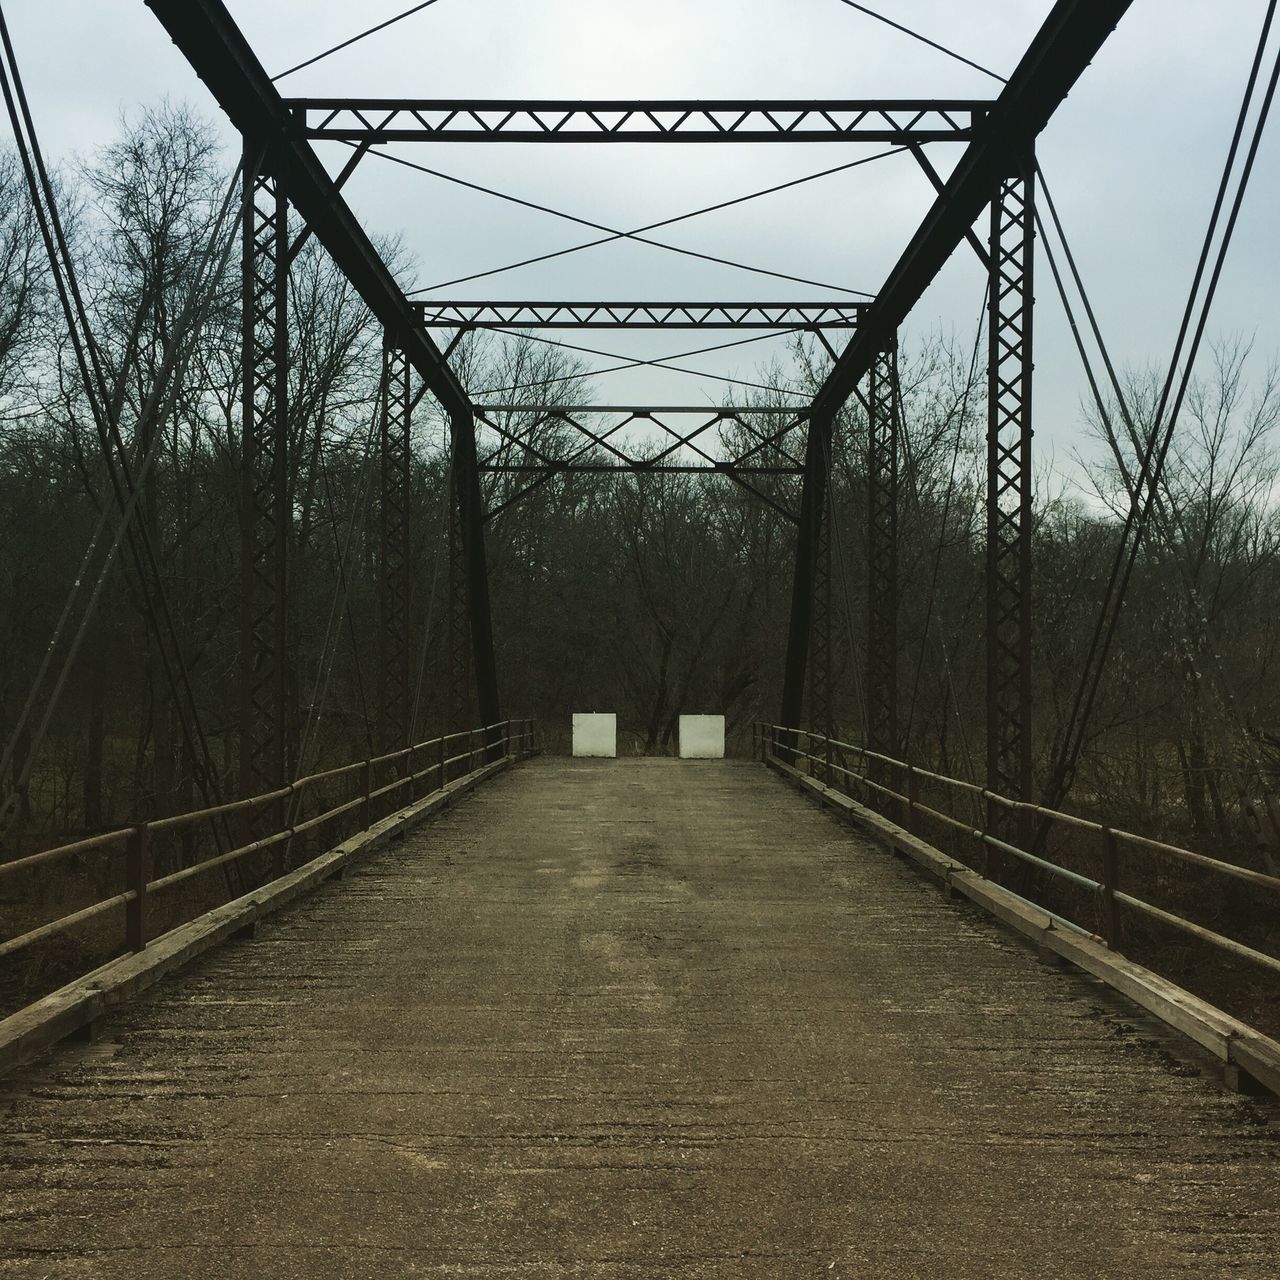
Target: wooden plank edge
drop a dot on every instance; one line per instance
(31, 1031)
(1232, 1042)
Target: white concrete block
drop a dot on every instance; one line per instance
(595, 733)
(701, 737)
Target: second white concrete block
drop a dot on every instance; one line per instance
(701, 737)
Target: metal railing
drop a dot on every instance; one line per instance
(375, 788)
(899, 785)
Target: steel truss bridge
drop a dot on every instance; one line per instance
(305, 830)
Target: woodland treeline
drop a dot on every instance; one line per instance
(645, 595)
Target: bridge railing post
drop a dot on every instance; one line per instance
(1110, 878)
(366, 791)
(913, 799)
(137, 873)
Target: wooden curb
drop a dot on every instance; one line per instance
(1244, 1051)
(82, 1003)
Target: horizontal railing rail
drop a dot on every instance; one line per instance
(416, 772)
(899, 783)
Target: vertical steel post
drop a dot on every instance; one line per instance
(264, 482)
(883, 418)
(468, 548)
(395, 694)
(821, 712)
(817, 458)
(1008, 558)
(458, 692)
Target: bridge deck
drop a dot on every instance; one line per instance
(623, 1019)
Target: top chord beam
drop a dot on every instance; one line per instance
(641, 315)
(897, 121)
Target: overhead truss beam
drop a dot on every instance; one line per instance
(879, 120)
(532, 442)
(1064, 46)
(207, 36)
(640, 315)
(648, 411)
(211, 42)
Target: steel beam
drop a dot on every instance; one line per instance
(1009, 517)
(817, 464)
(639, 466)
(821, 691)
(1067, 41)
(1070, 37)
(640, 315)
(725, 412)
(601, 444)
(881, 120)
(395, 551)
(468, 503)
(458, 715)
(209, 39)
(884, 412)
(264, 482)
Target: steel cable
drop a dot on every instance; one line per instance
(923, 39)
(355, 39)
(1148, 480)
(638, 233)
(105, 408)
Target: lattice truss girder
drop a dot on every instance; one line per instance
(884, 413)
(1009, 487)
(458, 715)
(500, 120)
(395, 544)
(265, 507)
(821, 691)
(640, 315)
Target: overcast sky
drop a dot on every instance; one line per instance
(1132, 156)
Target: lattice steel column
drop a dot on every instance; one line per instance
(264, 483)
(469, 556)
(884, 413)
(395, 691)
(821, 714)
(813, 504)
(1008, 565)
(459, 637)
